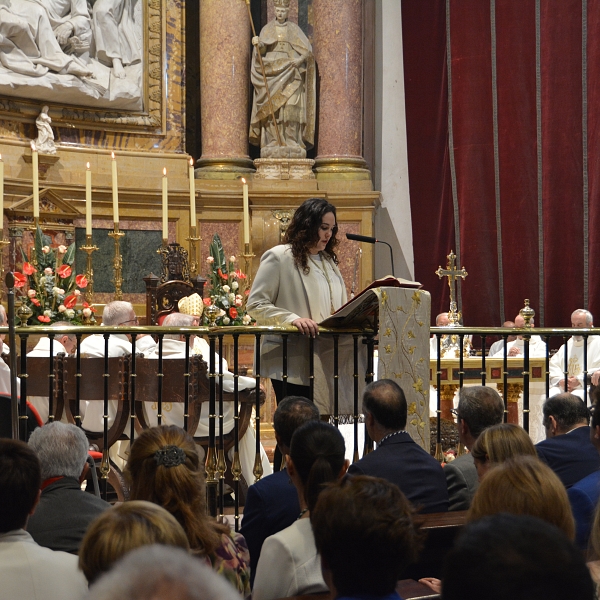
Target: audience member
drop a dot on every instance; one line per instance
(479, 407)
(397, 457)
(161, 573)
(574, 365)
(64, 512)
(499, 443)
(123, 528)
(524, 485)
(364, 532)
(515, 557)
(498, 346)
(27, 570)
(164, 467)
(272, 503)
(568, 449)
(289, 564)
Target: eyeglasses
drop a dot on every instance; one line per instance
(454, 412)
(134, 321)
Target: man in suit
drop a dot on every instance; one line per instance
(397, 457)
(64, 511)
(479, 407)
(272, 503)
(567, 449)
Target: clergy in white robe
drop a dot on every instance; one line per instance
(4, 369)
(537, 346)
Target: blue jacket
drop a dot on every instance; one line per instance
(583, 497)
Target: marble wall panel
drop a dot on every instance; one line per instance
(228, 231)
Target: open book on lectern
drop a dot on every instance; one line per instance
(362, 310)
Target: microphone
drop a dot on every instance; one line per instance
(371, 240)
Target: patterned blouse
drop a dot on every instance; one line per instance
(232, 560)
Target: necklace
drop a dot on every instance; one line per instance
(323, 269)
(389, 435)
(302, 513)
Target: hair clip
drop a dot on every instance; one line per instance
(170, 456)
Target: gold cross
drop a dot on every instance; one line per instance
(452, 273)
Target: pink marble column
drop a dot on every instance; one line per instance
(337, 46)
(224, 80)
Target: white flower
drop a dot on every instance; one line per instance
(226, 321)
(246, 319)
(46, 249)
(47, 270)
(69, 313)
(226, 289)
(57, 291)
(87, 312)
(238, 301)
(47, 313)
(235, 285)
(62, 308)
(221, 313)
(210, 260)
(232, 259)
(77, 293)
(62, 249)
(231, 298)
(31, 293)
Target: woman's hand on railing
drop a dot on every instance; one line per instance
(307, 327)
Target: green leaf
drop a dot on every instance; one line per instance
(217, 252)
(69, 256)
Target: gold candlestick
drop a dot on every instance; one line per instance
(3, 243)
(89, 269)
(117, 262)
(193, 255)
(248, 255)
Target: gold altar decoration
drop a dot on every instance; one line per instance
(116, 235)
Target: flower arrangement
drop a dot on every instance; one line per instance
(50, 287)
(228, 291)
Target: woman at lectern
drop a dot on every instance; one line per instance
(298, 283)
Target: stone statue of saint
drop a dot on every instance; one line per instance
(289, 73)
(45, 139)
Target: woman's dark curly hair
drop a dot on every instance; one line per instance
(303, 231)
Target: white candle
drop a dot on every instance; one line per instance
(1, 193)
(115, 189)
(192, 194)
(88, 200)
(165, 206)
(36, 183)
(246, 213)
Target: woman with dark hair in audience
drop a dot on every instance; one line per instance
(499, 443)
(289, 564)
(164, 467)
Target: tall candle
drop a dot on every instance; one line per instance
(192, 194)
(1, 193)
(246, 213)
(88, 200)
(165, 206)
(115, 189)
(36, 183)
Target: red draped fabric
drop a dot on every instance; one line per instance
(518, 100)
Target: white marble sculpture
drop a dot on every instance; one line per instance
(45, 139)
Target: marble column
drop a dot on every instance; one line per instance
(337, 46)
(224, 80)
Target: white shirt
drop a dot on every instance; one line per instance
(575, 361)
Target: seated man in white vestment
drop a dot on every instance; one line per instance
(441, 320)
(537, 346)
(174, 346)
(580, 318)
(4, 368)
(496, 347)
(63, 343)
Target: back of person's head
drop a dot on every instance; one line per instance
(386, 401)
(176, 319)
(511, 557)
(568, 411)
(122, 528)
(480, 407)
(524, 486)
(318, 453)
(20, 480)
(292, 412)
(62, 449)
(364, 532)
(116, 313)
(501, 442)
(164, 467)
(161, 573)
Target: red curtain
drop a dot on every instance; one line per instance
(511, 98)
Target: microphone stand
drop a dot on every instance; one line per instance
(371, 240)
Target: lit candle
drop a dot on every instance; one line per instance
(115, 189)
(1, 193)
(246, 213)
(192, 194)
(165, 206)
(36, 183)
(88, 200)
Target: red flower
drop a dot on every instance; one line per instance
(240, 274)
(29, 269)
(70, 301)
(86, 305)
(44, 319)
(247, 293)
(35, 302)
(221, 275)
(81, 281)
(233, 312)
(20, 279)
(206, 301)
(64, 271)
